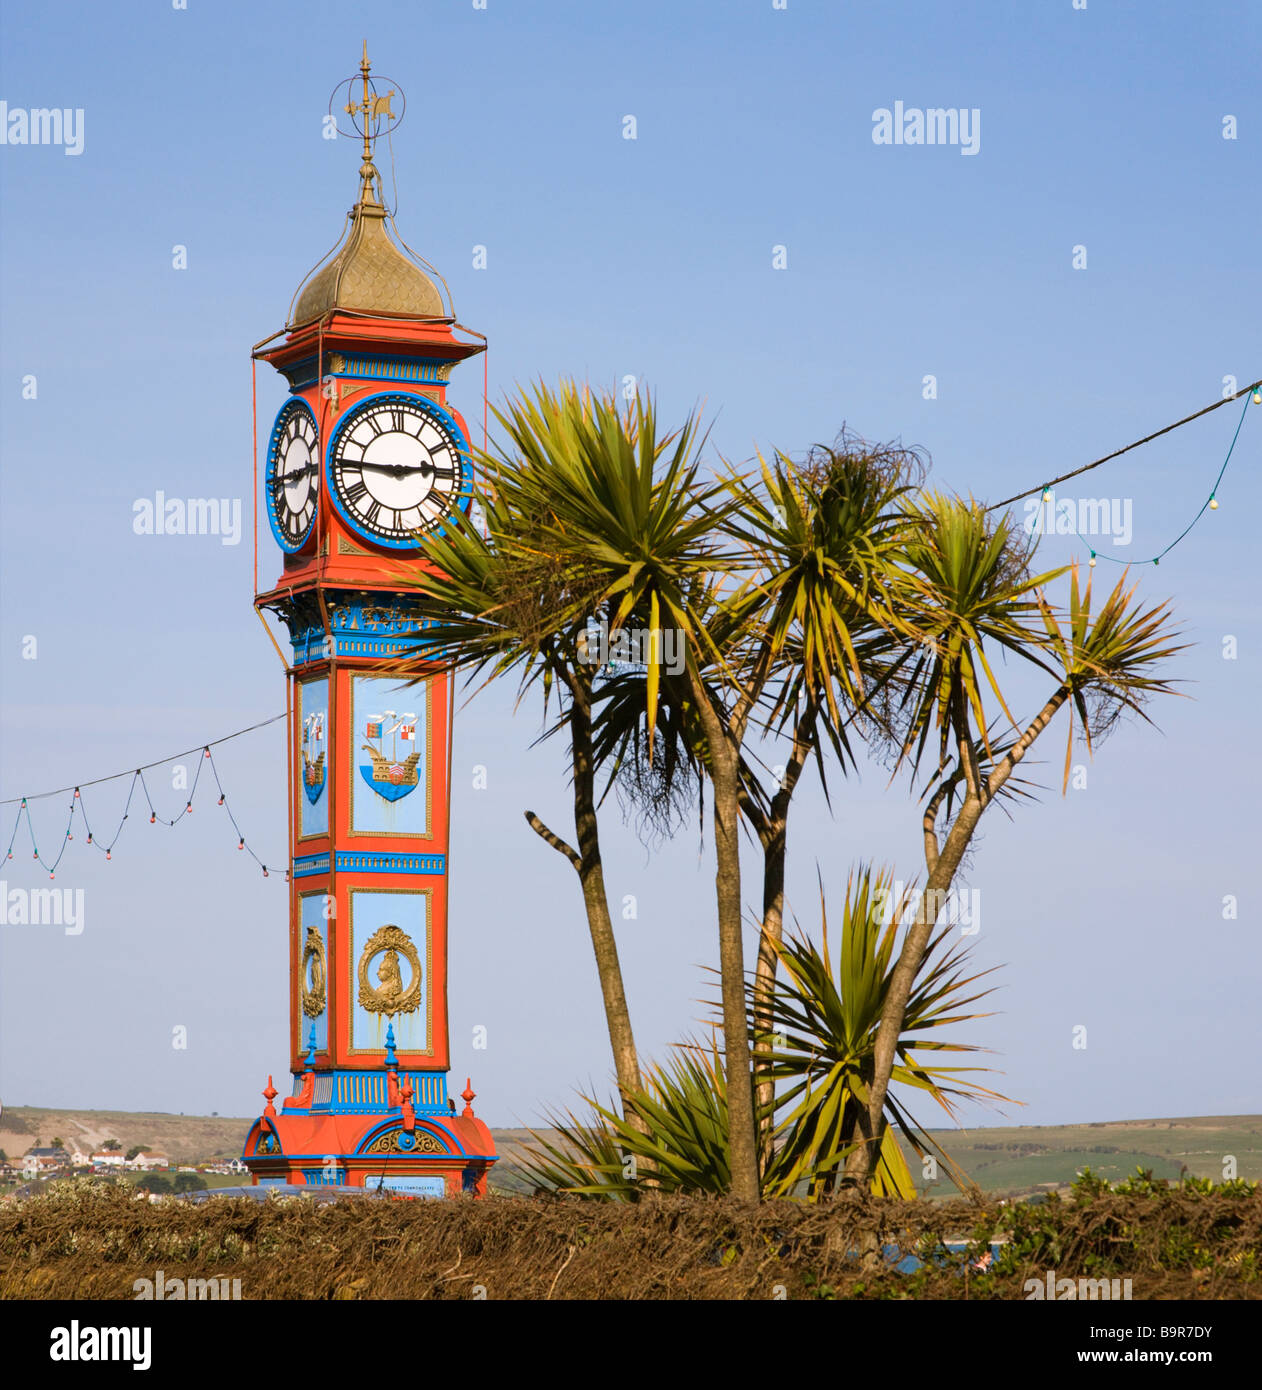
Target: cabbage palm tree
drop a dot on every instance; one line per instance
(977, 593)
(822, 538)
(794, 646)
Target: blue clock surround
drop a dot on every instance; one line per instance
(292, 405)
(444, 418)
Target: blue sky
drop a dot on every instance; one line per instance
(607, 257)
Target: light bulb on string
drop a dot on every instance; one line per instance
(1213, 503)
(153, 816)
(1091, 562)
(188, 810)
(1257, 396)
(221, 798)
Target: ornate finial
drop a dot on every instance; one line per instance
(371, 115)
(311, 1047)
(391, 1059)
(269, 1095)
(468, 1095)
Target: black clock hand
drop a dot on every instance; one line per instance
(394, 470)
(280, 480)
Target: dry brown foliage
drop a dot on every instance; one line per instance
(94, 1244)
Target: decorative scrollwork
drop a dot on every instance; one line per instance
(390, 997)
(392, 1142)
(315, 988)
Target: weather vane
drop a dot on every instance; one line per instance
(373, 114)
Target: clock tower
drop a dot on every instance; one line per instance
(366, 458)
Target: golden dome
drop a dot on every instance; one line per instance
(368, 273)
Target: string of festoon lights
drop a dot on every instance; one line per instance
(105, 845)
(1251, 393)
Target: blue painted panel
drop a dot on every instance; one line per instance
(315, 764)
(370, 910)
(390, 757)
(313, 919)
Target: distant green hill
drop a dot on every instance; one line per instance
(1004, 1162)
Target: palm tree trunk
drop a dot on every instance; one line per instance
(941, 875)
(764, 984)
(773, 831)
(725, 779)
(588, 864)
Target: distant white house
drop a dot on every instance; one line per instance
(108, 1158)
(150, 1160)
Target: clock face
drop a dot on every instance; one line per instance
(397, 465)
(293, 475)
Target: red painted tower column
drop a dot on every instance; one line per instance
(366, 459)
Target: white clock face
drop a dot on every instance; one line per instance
(397, 469)
(293, 474)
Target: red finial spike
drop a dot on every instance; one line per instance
(468, 1095)
(269, 1095)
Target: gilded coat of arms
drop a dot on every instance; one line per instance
(314, 975)
(390, 996)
